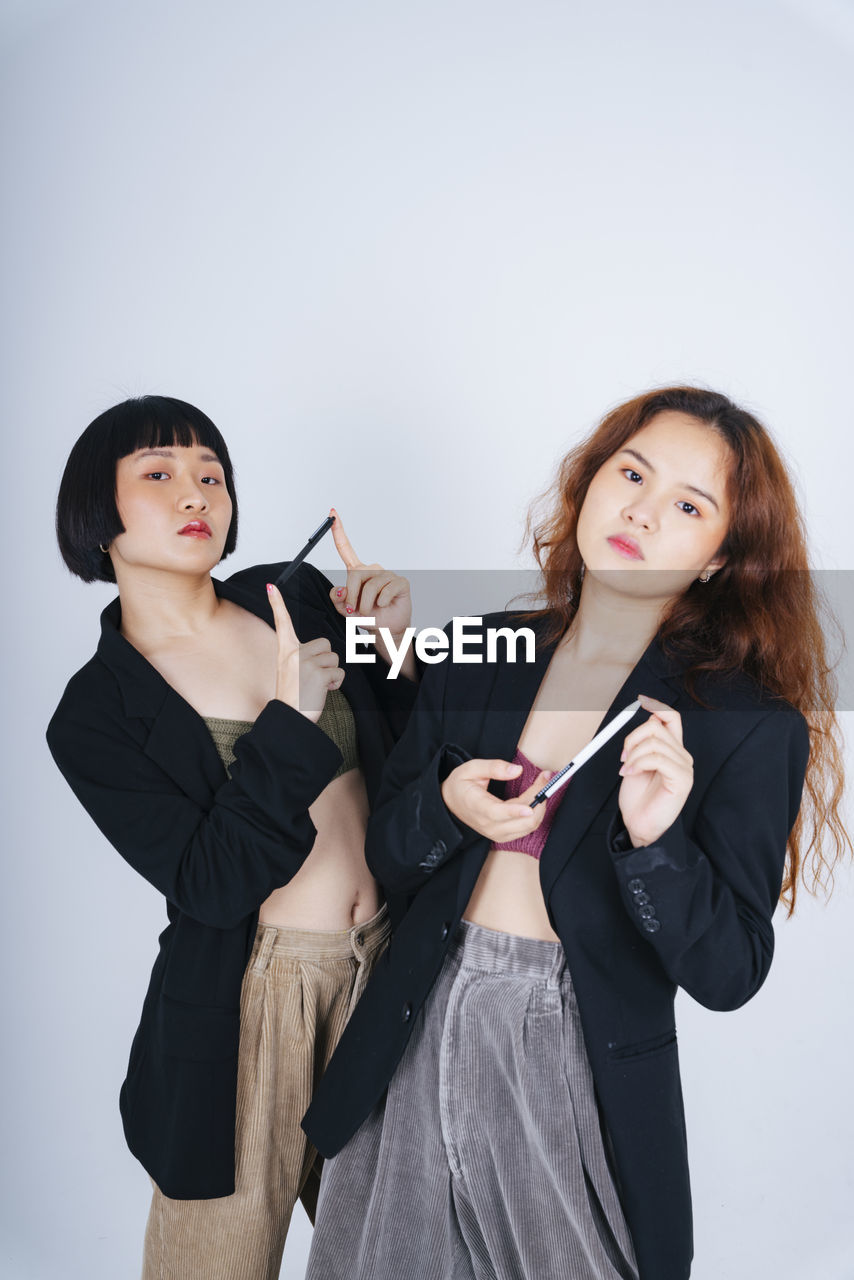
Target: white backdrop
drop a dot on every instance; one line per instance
(404, 255)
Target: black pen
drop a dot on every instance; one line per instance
(585, 753)
(301, 555)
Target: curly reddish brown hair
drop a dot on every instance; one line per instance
(759, 613)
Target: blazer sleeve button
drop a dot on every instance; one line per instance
(406, 1012)
(652, 925)
(636, 886)
(646, 913)
(439, 849)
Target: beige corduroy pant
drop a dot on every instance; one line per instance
(298, 992)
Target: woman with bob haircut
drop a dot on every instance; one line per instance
(519, 1115)
(212, 742)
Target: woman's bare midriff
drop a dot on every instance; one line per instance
(333, 888)
(508, 896)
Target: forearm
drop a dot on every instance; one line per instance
(215, 859)
(713, 944)
(703, 893)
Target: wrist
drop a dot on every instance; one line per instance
(313, 715)
(621, 839)
(445, 791)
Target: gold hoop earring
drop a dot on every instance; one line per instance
(101, 547)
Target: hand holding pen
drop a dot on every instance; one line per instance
(657, 773)
(563, 775)
(465, 792)
(370, 590)
(466, 795)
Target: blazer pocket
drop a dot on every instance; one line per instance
(644, 1048)
(197, 1033)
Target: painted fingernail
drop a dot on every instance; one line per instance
(269, 586)
(349, 609)
(338, 593)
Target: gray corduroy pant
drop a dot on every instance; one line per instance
(486, 1161)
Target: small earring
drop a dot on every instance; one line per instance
(704, 577)
(103, 548)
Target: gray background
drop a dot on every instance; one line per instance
(404, 255)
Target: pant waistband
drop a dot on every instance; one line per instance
(321, 944)
(489, 949)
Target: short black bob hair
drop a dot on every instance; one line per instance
(86, 512)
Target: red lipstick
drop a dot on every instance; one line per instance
(626, 547)
(196, 529)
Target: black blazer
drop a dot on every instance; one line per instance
(143, 764)
(692, 910)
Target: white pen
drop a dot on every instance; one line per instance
(586, 752)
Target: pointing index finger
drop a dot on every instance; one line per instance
(342, 542)
(281, 617)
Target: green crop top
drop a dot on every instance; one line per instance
(336, 721)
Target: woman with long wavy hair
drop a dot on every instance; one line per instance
(520, 1109)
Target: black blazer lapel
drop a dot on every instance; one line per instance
(178, 739)
(598, 780)
(508, 701)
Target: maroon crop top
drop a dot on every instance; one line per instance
(534, 841)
